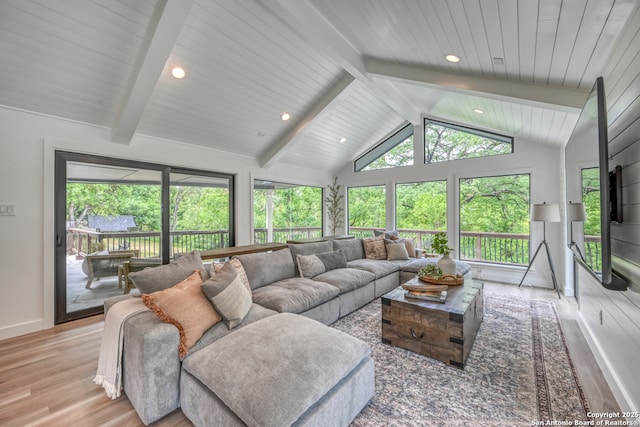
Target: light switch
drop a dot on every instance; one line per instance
(7, 210)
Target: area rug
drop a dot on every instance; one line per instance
(519, 373)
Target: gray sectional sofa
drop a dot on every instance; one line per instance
(151, 365)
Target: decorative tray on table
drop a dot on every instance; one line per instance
(449, 280)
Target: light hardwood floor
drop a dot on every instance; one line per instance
(46, 378)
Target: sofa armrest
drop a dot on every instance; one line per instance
(109, 302)
(151, 366)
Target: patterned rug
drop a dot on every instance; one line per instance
(519, 372)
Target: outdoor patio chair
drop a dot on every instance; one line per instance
(105, 263)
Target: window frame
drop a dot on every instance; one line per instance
(285, 185)
(348, 189)
(528, 173)
(465, 129)
(61, 159)
(397, 137)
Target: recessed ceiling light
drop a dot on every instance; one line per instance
(343, 139)
(285, 116)
(178, 72)
(477, 110)
(452, 58)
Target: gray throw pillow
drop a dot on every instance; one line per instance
(165, 276)
(333, 259)
(231, 299)
(312, 265)
(396, 251)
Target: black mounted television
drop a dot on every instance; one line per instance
(590, 181)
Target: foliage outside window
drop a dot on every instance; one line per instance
(283, 212)
(421, 210)
(366, 210)
(199, 212)
(444, 142)
(395, 151)
(592, 231)
(494, 219)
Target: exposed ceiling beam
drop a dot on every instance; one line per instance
(553, 97)
(318, 111)
(319, 32)
(161, 36)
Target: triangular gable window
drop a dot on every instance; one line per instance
(394, 151)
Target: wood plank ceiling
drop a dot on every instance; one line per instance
(354, 69)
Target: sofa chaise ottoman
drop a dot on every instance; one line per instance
(283, 370)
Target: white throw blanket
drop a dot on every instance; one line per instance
(109, 374)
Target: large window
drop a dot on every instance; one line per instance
(421, 210)
(199, 212)
(284, 212)
(494, 219)
(394, 151)
(591, 200)
(366, 209)
(444, 142)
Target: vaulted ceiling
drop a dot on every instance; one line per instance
(355, 69)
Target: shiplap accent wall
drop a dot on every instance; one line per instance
(610, 320)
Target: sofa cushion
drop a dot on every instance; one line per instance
(352, 248)
(220, 330)
(237, 266)
(294, 295)
(408, 243)
(265, 268)
(277, 368)
(379, 268)
(185, 306)
(346, 279)
(374, 248)
(388, 234)
(165, 276)
(308, 249)
(314, 264)
(231, 299)
(396, 251)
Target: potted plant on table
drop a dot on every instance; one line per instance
(440, 245)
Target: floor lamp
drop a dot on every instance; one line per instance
(545, 213)
(575, 213)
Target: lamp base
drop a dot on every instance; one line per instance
(553, 272)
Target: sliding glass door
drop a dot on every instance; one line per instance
(109, 216)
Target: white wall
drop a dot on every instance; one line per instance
(26, 173)
(544, 163)
(610, 320)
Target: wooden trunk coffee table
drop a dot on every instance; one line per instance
(445, 332)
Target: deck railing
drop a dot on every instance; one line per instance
(147, 242)
(281, 235)
(501, 248)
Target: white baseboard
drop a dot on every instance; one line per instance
(21, 329)
(616, 386)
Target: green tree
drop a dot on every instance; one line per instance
(367, 206)
(422, 205)
(495, 204)
(400, 155)
(443, 143)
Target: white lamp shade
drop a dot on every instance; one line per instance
(576, 212)
(549, 212)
